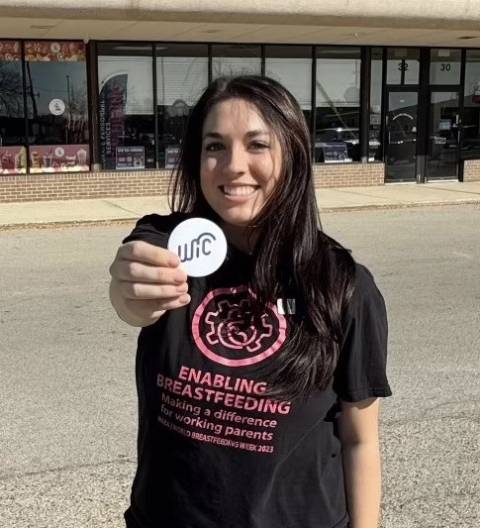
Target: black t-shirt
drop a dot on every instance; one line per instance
(213, 451)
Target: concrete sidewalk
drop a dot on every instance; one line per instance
(107, 210)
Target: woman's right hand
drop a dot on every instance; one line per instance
(146, 281)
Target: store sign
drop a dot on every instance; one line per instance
(13, 160)
(171, 157)
(130, 158)
(56, 107)
(10, 50)
(51, 51)
(59, 158)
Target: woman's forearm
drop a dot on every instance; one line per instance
(363, 482)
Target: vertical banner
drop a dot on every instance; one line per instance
(112, 101)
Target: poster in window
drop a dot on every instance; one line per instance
(10, 50)
(59, 158)
(171, 157)
(13, 160)
(335, 152)
(51, 51)
(130, 158)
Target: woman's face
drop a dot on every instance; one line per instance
(240, 161)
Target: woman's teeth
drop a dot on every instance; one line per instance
(243, 190)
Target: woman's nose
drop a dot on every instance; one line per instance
(236, 159)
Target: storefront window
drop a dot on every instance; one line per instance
(403, 66)
(337, 105)
(12, 120)
(126, 122)
(57, 106)
(182, 76)
(236, 59)
(445, 66)
(471, 117)
(375, 127)
(292, 67)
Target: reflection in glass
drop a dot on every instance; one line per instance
(126, 106)
(401, 135)
(471, 116)
(337, 105)
(182, 76)
(445, 66)
(375, 126)
(292, 67)
(12, 121)
(442, 159)
(403, 66)
(236, 59)
(57, 105)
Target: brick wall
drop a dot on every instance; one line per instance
(349, 174)
(83, 185)
(22, 188)
(471, 170)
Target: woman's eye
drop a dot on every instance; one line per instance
(260, 146)
(213, 146)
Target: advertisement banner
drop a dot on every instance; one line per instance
(59, 158)
(171, 157)
(130, 158)
(335, 152)
(112, 100)
(13, 160)
(10, 50)
(51, 51)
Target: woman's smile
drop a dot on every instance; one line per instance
(239, 191)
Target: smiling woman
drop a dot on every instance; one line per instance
(245, 164)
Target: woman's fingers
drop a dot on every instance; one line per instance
(154, 308)
(128, 270)
(144, 291)
(140, 251)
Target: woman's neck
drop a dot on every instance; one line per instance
(241, 237)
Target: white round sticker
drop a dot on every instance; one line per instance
(56, 107)
(200, 244)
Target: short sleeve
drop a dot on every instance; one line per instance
(155, 229)
(361, 368)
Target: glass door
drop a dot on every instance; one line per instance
(443, 135)
(401, 135)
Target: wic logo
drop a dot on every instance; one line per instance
(198, 246)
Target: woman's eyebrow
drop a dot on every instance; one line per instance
(250, 133)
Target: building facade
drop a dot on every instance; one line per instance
(94, 101)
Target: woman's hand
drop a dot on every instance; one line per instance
(146, 281)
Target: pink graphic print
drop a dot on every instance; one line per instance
(226, 331)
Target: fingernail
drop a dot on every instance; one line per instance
(174, 261)
(180, 277)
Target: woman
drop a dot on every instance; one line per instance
(258, 388)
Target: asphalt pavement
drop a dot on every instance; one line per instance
(68, 409)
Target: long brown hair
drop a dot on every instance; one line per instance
(293, 257)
